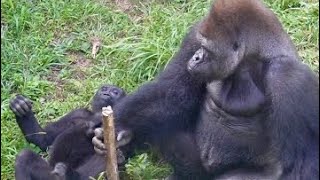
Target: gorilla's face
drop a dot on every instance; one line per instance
(217, 58)
(107, 95)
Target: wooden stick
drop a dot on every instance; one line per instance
(110, 143)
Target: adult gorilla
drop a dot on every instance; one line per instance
(260, 116)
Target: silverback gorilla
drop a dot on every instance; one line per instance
(72, 154)
(256, 118)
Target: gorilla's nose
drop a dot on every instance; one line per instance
(105, 95)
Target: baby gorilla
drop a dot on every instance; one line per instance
(72, 155)
(107, 95)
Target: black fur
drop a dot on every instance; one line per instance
(44, 137)
(261, 111)
(166, 108)
(71, 150)
(260, 115)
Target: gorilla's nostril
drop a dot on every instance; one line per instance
(106, 94)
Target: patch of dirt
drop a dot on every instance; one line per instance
(79, 64)
(59, 83)
(130, 7)
(78, 60)
(78, 67)
(55, 70)
(124, 5)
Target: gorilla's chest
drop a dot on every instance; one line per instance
(223, 138)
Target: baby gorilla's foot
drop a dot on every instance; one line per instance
(21, 106)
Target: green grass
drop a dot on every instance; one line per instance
(46, 55)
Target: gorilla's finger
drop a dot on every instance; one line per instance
(24, 106)
(98, 151)
(123, 138)
(98, 143)
(98, 132)
(13, 109)
(18, 108)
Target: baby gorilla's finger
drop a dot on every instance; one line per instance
(98, 147)
(20, 106)
(27, 104)
(24, 107)
(98, 151)
(13, 109)
(97, 143)
(18, 109)
(98, 132)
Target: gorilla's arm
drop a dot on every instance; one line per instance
(180, 150)
(171, 102)
(294, 121)
(33, 132)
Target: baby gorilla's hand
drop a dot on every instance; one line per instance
(97, 141)
(123, 138)
(21, 106)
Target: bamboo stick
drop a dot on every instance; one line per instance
(110, 143)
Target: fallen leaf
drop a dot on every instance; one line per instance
(96, 44)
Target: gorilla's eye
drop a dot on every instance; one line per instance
(104, 88)
(115, 92)
(235, 46)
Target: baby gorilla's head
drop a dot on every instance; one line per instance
(107, 95)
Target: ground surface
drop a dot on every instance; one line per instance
(46, 55)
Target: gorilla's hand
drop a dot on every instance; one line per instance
(123, 138)
(97, 141)
(21, 106)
